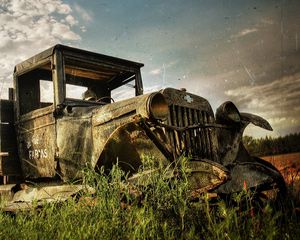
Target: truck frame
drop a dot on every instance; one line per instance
(49, 141)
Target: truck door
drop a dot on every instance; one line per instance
(36, 131)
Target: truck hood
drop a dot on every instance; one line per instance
(132, 106)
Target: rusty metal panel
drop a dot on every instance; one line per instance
(185, 99)
(100, 59)
(32, 196)
(108, 118)
(37, 142)
(127, 145)
(102, 133)
(75, 145)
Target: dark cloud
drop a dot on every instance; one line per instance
(277, 101)
(256, 65)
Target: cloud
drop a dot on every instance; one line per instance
(71, 20)
(156, 71)
(267, 21)
(84, 14)
(163, 68)
(245, 32)
(277, 101)
(28, 27)
(262, 24)
(83, 28)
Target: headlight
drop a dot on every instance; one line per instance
(228, 113)
(158, 106)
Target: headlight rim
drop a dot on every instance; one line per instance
(157, 106)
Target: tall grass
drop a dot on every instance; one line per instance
(155, 209)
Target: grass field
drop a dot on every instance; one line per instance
(289, 166)
(157, 211)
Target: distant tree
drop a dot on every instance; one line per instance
(272, 146)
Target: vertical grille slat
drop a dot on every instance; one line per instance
(177, 137)
(181, 124)
(186, 133)
(198, 138)
(192, 135)
(213, 136)
(172, 133)
(195, 142)
(202, 135)
(205, 117)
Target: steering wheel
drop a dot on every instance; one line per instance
(106, 97)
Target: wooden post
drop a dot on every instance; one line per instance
(58, 77)
(138, 83)
(5, 178)
(6, 154)
(11, 94)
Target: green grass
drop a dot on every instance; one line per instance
(159, 210)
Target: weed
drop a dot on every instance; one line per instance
(154, 209)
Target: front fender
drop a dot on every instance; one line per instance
(256, 120)
(127, 146)
(252, 171)
(231, 148)
(130, 143)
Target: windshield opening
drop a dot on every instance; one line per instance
(90, 81)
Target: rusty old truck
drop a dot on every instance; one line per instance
(49, 133)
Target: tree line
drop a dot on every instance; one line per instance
(272, 146)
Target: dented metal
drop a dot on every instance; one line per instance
(57, 140)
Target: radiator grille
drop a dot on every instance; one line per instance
(193, 142)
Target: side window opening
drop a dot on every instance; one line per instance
(46, 93)
(35, 89)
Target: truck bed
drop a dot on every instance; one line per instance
(9, 161)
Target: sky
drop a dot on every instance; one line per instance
(243, 51)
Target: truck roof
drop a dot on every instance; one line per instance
(40, 58)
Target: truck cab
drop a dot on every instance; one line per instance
(64, 115)
(48, 105)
